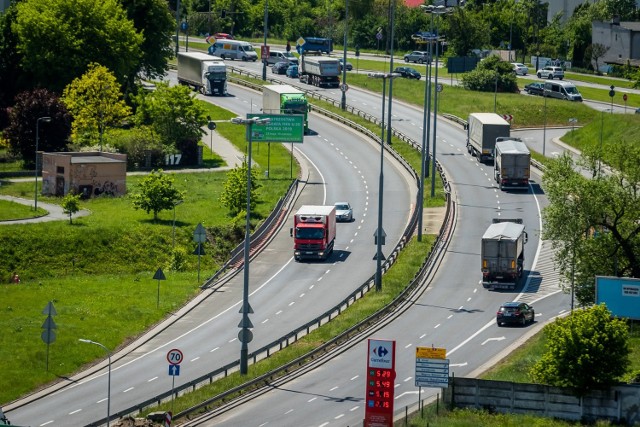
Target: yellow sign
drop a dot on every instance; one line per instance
(300, 41)
(431, 353)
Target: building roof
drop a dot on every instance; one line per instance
(413, 3)
(94, 159)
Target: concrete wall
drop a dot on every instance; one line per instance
(623, 42)
(620, 403)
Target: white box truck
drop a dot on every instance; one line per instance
(512, 163)
(285, 99)
(205, 73)
(482, 131)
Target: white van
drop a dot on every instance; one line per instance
(281, 56)
(562, 90)
(233, 49)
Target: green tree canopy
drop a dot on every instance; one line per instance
(586, 350)
(21, 132)
(71, 205)
(156, 193)
(594, 224)
(172, 112)
(95, 101)
(234, 194)
(57, 39)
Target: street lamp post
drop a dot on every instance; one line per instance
(264, 49)
(495, 93)
(544, 128)
(35, 193)
(343, 103)
(245, 333)
(379, 232)
(109, 376)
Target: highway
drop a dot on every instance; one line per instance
(455, 312)
(283, 294)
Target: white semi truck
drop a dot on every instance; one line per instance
(206, 73)
(482, 131)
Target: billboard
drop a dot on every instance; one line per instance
(621, 295)
(281, 128)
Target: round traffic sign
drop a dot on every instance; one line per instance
(245, 336)
(344, 87)
(624, 97)
(439, 87)
(174, 356)
(612, 93)
(211, 125)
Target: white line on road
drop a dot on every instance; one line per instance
(152, 379)
(75, 412)
(493, 339)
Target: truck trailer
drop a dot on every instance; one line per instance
(502, 254)
(206, 73)
(319, 71)
(313, 232)
(512, 164)
(482, 131)
(314, 44)
(285, 99)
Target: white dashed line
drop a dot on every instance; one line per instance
(129, 389)
(193, 360)
(75, 412)
(264, 321)
(152, 379)
(437, 326)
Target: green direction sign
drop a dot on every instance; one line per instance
(282, 128)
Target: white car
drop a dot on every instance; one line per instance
(520, 69)
(344, 213)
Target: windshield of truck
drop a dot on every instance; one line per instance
(309, 233)
(294, 107)
(247, 48)
(572, 90)
(217, 75)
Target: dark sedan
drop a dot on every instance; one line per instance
(280, 67)
(408, 72)
(515, 312)
(535, 88)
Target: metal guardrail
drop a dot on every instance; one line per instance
(327, 316)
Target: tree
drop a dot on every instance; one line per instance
(95, 101)
(234, 194)
(594, 224)
(58, 38)
(71, 204)
(153, 19)
(586, 350)
(21, 132)
(173, 113)
(596, 51)
(156, 193)
(490, 75)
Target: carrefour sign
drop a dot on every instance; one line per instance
(381, 354)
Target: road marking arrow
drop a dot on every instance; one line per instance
(493, 339)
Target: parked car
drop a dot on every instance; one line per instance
(418, 57)
(550, 72)
(535, 88)
(292, 71)
(344, 212)
(515, 312)
(408, 72)
(637, 110)
(280, 67)
(348, 66)
(520, 69)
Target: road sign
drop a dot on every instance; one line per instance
(300, 41)
(211, 125)
(507, 117)
(379, 36)
(432, 372)
(245, 335)
(264, 51)
(439, 87)
(344, 87)
(624, 97)
(184, 26)
(200, 234)
(174, 356)
(281, 128)
(431, 353)
(174, 370)
(381, 376)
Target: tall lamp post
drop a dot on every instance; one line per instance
(379, 231)
(35, 193)
(108, 377)
(245, 334)
(264, 49)
(544, 128)
(343, 103)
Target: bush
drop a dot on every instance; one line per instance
(142, 147)
(483, 78)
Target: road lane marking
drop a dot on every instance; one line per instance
(493, 339)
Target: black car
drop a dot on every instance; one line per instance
(515, 312)
(408, 72)
(349, 65)
(280, 67)
(535, 88)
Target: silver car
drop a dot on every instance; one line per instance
(417, 56)
(550, 73)
(344, 212)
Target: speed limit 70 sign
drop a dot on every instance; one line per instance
(174, 356)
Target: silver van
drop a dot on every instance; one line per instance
(233, 49)
(562, 90)
(281, 56)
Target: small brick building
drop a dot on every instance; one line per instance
(89, 174)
